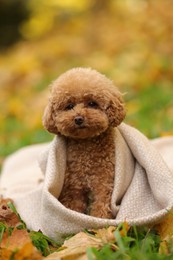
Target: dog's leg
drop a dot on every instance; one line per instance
(74, 199)
(101, 206)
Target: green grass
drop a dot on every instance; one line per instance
(138, 243)
(130, 242)
(138, 58)
(150, 109)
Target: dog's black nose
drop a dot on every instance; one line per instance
(79, 120)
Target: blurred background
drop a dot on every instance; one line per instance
(131, 41)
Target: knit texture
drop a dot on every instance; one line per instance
(143, 185)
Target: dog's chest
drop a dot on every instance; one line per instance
(89, 158)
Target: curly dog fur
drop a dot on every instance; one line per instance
(85, 107)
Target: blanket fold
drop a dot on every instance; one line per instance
(143, 187)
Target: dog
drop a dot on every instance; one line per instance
(85, 107)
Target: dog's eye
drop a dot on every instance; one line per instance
(92, 104)
(70, 106)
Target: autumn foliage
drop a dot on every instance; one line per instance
(129, 41)
(18, 242)
(15, 240)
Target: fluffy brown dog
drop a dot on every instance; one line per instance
(84, 107)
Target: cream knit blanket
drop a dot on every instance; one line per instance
(143, 187)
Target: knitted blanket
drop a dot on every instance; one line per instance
(143, 185)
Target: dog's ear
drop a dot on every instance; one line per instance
(49, 119)
(116, 111)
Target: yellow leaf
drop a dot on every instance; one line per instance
(5, 254)
(125, 229)
(163, 248)
(165, 228)
(105, 234)
(18, 245)
(27, 252)
(75, 247)
(166, 133)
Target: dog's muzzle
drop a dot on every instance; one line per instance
(79, 120)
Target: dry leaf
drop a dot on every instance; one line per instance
(105, 234)
(163, 248)
(19, 244)
(125, 229)
(165, 228)
(75, 247)
(7, 216)
(27, 252)
(16, 240)
(5, 254)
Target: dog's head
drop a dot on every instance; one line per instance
(83, 104)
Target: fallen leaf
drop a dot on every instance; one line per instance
(18, 245)
(27, 252)
(165, 228)
(105, 234)
(124, 229)
(75, 247)
(16, 240)
(7, 216)
(163, 248)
